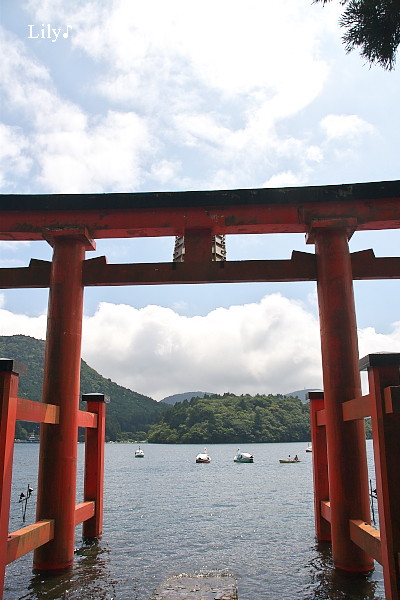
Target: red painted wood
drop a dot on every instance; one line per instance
(86, 419)
(8, 412)
(366, 266)
(84, 511)
(94, 466)
(372, 206)
(358, 408)
(367, 537)
(198, 245)
(301, 267)
(320, 466)
(386, 434)
(58, 447)
(348, 475)
(37, 412)
(29, 538)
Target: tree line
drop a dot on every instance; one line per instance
(229, 418)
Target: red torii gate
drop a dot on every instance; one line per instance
(328, 215)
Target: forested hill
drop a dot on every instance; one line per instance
(234, 419)
(129, 414)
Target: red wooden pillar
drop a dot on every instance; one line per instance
(8, 414)
(58, 443)
(94, 464)
(320, 466)
(347, 461)
(384, 388)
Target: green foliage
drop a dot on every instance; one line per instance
(368, 428)
(234, 419)
(127, 412)
(372, 26)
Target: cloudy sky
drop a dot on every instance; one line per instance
(127, 96)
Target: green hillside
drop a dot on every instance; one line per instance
(129, 414)
(234, 419)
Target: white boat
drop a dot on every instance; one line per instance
(203, 457)
(139, 453)
(309, 448)
(243, 457)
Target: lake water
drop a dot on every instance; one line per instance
(165, 515)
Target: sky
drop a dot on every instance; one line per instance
(131, 96)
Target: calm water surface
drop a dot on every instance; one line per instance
(166, 515)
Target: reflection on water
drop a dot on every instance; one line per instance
(90, 578)
(166, 515)
(328, 583)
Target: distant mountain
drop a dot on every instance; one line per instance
(185, 396)
(129, 414)
(302, 394)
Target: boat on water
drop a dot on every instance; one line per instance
(203, 457)
(290, 460)
(309, 448)
(243, 457)
(139, 453)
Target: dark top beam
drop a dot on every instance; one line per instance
(343, 193)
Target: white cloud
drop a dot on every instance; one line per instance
(71, 150)
(370, 341)
(269, 346)
(107, 155)
(284, 179)
(14, 161)
(210, 81)
(348, 127)
(13, 324)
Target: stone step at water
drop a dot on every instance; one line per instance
(215, 586)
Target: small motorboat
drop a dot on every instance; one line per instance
(290, 460)
(139, 453)
(309, 448)
(243, 457)
(203, 457)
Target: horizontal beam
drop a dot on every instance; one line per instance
(321, 417)
(87, 419)
(29, 538)
(359, 408)
(84, 511)
(373, 205)
(37, 275)
(366, 266)
(326, 510)
(301, 267)
(37, 412)
(392, 399)
(367, 538)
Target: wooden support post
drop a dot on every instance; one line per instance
(58, 443)
(320, 466)
(8, 413)
(384, 377)
(347, 460)
(94, 465)
(198, 245)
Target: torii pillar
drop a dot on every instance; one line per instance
(61, 383)
(346, 447)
